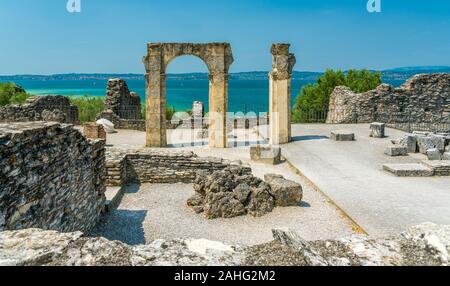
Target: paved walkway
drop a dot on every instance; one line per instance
(351, 174)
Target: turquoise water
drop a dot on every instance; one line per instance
(244, 95)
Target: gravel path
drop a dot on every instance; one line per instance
(155, 211)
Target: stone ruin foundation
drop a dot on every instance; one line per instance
(56, 108)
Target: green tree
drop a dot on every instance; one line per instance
(311, 105)
(10, 93)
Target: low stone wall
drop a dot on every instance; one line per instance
(423, 98)
(41, 108)
(155, 166)
(51, 177)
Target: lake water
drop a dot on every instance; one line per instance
(244, 95)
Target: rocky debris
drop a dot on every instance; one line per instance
(377, 130)
(234, 192)
(49, 108)
(434, 154)
(424, 245)
(396, 151)
(108, 126)
(229, 193)
(427, 143)
(342, 135)
(267, 154)
(286, 193)
(35, 247)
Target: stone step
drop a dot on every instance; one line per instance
(409, 170)
(440, 168)
(113, 198)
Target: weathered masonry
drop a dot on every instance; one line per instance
(280, 94)
(122, 107)
(51, 177)
(55, 108)
(158, 166)
(422, 99)
(218, 58)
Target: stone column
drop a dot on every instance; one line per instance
(280, 94)
(155, 97)
(218, 108)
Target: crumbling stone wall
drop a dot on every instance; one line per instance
(422, 99)
(122, 102)
(55, 108)
(51, 177)
(158, 166)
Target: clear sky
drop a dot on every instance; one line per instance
(110, 36)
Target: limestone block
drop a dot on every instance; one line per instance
(446, 156)
(434, 154)
(377, 130)
(408, 170)
(410, 142)
(107, 125)
(268, 154)
(342, 135)
(430, 142)
(286, 193)
(396, 151)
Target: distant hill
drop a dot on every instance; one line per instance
(396, 74)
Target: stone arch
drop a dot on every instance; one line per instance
(217, 56)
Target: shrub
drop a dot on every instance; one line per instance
(311, 105)
(10, 93)
(88, 107)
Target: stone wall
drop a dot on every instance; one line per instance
(422, 99)
(55, 108)
(51, 177)
(158, 166)
(122, 102)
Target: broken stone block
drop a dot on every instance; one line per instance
(268, 154)
(396, 151)
(431, 142)
(421, 133)
(94, 131)
(377, 130)
(410, 142)
(434, 154)
(286, 193)
(342, 135)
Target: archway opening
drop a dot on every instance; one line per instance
(187, 95)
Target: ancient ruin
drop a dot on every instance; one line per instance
(218, 58)
(122, 107)
(234, 191)
(422, 99)
(280, 94)
(51, 177)
(41, 108)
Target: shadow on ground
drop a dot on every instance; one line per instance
(122, 225)
(308, 138)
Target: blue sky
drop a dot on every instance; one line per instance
(110, 36)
